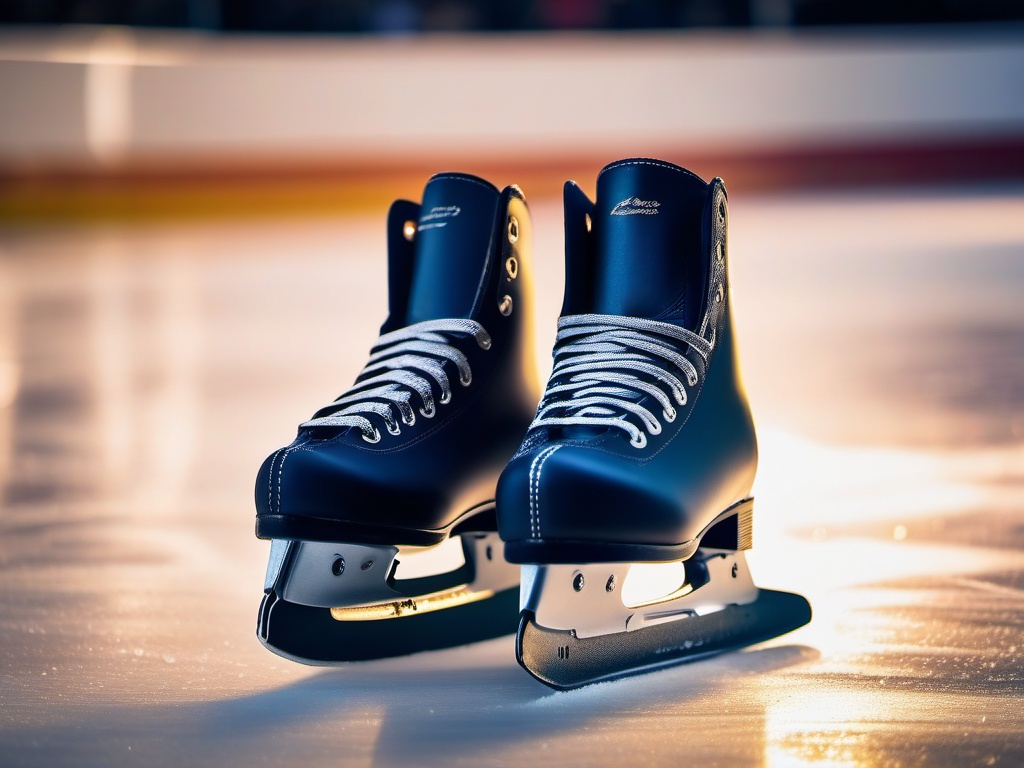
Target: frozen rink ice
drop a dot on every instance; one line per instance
(146, 370)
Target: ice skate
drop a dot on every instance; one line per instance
(381, 511)
(628, 503)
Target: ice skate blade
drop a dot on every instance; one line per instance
(310, 635)
(563, 661)
(330, 603)
(438, 601)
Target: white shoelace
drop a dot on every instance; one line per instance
(604, 363)
(400, 363)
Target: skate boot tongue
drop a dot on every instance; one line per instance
(648, 236)
(452, 242)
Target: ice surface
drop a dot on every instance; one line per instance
(146, 370)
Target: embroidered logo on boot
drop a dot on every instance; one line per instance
(438, 215)
(633, 205)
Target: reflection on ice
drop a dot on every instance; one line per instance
(813, 730)
(910, 615)
(807, 482)
(145, 330)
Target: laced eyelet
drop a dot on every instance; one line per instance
(691, 380)
(641, 442)
(655, 429)
(669, 415)
(414, 349)
(719, 292)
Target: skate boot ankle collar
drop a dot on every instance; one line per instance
(452, 238)
(647, 237)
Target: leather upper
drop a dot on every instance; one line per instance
(587, 485)
(331, 484)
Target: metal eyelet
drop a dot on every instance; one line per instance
(466, 381)
(429, 414)
(396, 431)
(511, 267)
(375, 436)
(513, 229)
(719, 253)
(669, 415)
(641, 442)
(719, 292)
(505, 307)
(721, 210)
(587, 222)
(410, 421)
(409, 230)
(446, 397)
(656, 429)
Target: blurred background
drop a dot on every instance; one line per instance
(410, 16)
(192, 260)
(207, 107)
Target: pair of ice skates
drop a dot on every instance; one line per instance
(386, 510)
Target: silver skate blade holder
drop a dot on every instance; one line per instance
(588, 599)
(326, 574)
(482, 603)
(361, 577)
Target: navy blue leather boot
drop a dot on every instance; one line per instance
(381, 511)
(643, 448)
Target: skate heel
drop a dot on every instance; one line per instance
(735, 531)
